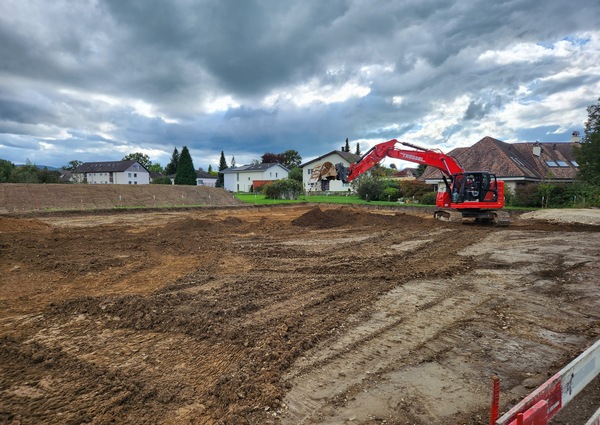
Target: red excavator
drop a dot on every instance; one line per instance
(467, 194)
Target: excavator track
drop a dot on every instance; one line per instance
(448, 215)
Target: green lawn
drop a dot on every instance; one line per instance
(332, 199)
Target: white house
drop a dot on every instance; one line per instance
(203, 178)
(249, 177)
(112, 172)
(313, 170)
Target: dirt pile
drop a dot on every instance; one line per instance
(8, 224)
(350, 216)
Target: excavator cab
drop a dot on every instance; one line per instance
(477, 186)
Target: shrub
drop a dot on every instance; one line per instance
(283, 189)
(370, 188)
(428, 198)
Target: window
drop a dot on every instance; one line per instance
(134, 174)
(574, 163)
(309, 171)
(129, 181)
(276, 175)
(129, 175)
(562, 163)
(551, 163)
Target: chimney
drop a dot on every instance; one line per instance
(537, 149)
(575, 137)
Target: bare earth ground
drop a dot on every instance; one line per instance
(288, 315)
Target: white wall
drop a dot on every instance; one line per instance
(242, 181)
(334, 185)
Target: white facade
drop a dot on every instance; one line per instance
(324, 185)
(241, 179)
(120, 172)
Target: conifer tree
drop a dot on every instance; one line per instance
(357, 149)
(347, 147)
(171, 167)
(186, 173)
(588, 153)
(222, 166)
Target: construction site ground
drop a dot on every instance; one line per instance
(289, 315)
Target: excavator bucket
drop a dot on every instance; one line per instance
(342, 172)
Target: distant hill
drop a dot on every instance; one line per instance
(41, 167)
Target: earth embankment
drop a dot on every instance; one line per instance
(47, 197)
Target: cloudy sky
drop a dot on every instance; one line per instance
(95, 80)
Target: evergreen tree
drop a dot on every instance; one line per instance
(186, 173)
(222, 166)
(347, 147)
(210, 168)
(171, 167)
(588, 154)
(233, 162)
(357, 149)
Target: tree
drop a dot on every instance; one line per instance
(156, 168)
(222, 166)
(295, 174)
(171, 167)
(346, 148)
(588, 154)
(210, 170)
(72, 165)
(142, 158)
(292, 158)
(6, 170)
(357, 149)
(186, 173)
(421, 169)
(232, 162)
(270, 158)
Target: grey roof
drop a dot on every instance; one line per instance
(106, 166)
(350, 157)
(201, 174)
(251, 168)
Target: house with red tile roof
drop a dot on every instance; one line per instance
(515, 163)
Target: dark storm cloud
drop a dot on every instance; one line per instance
(154, 74)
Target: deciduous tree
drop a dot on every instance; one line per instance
(142, 158)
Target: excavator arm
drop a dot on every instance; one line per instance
(447, 164)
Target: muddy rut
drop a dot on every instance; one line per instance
(285, 315)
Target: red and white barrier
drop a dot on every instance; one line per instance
(545, 402)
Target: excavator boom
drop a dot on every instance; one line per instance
(447, 164)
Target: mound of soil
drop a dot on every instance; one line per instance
(8, 225)
(347, 216)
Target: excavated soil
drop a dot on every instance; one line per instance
(287, 315)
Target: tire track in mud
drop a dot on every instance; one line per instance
(404, 321)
